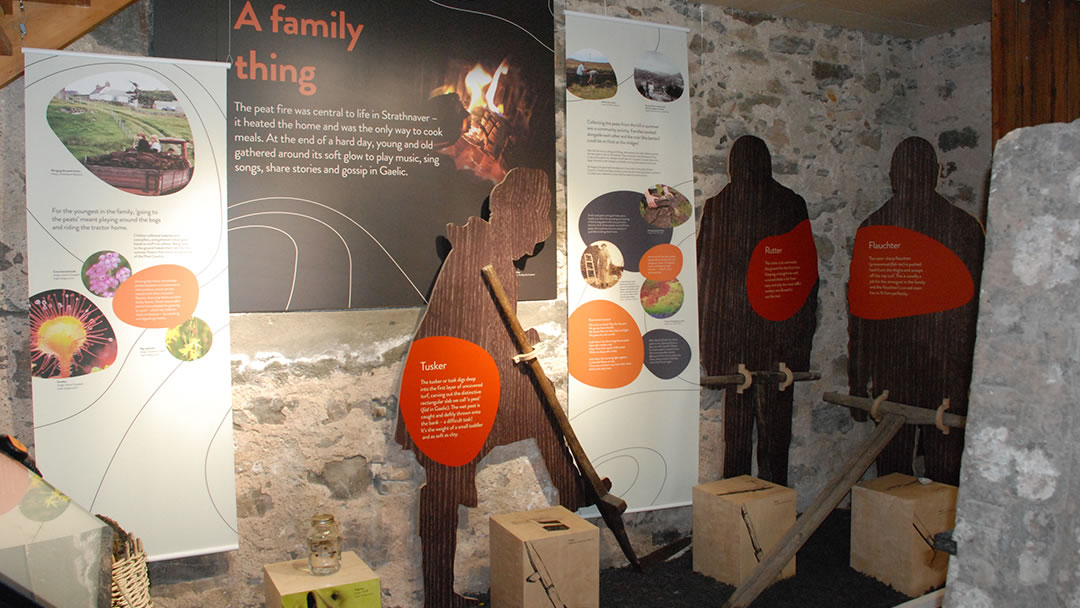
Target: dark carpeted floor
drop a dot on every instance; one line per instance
(823, 579)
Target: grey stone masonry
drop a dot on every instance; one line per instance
(1017, 523)
(315, 394)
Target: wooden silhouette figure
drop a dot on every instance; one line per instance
(752, 207)
(462, 306)
(920, 359)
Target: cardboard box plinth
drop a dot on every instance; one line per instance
(736, 521)
(286, 584)
(893, 522)
(544, 556)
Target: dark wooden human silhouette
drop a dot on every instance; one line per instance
(752, 207)
(921, 359)
(462, 306)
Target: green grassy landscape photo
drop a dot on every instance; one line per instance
(106, 113)
(589, 75)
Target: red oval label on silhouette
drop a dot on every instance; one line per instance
(782, 273)
(449, 398)
(896, 272)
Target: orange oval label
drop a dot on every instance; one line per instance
(896, 272)
(161, 296)
(606, 348)
(662, 262)
(449, 398)
(782, 273)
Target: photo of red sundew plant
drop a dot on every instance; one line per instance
(69, 335)
(104, 271)
(661, 299)
(190, 340)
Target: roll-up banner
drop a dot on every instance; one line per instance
(631, 250)
(129, 294)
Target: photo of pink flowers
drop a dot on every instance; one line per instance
(103, 272)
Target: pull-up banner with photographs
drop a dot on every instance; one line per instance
(631, 249)
(129, 294)
(360, 130)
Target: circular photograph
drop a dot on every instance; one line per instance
(589, 75)
(190, 340)
(14, 482)
(104, 271)
(657, 78)
(69, 335)
(661, 299)
(43, 502)
(128, 129)
(602, 264)
(665, 207)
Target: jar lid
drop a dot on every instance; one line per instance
(322, 518)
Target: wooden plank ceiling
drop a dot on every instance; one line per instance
(912, 19)
(50, 24)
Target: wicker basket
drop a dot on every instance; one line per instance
(130, 581)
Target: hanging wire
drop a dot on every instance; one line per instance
(701, 16)
(228, 58)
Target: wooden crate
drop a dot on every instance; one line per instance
(292, 585)
(893, 522)
(736, 521)
(543, 558)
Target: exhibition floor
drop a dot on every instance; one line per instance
(823, 579)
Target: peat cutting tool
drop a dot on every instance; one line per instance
(611, 507)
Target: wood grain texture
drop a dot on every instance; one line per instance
(462, 306)
(921, 359)
(752, 207)
(51, 25)
(831, 495)
(1035, 63)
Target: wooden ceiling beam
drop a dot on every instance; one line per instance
(50, 24)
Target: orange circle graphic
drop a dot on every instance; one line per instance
(606, 349)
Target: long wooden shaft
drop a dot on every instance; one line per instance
(838, 487)
(762, 376)
(611, 507)
(763, 448)
(914, 415)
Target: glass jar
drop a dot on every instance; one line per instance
(324, 545)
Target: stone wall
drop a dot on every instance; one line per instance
(315, 393)
(1018, 527)
(127, 32)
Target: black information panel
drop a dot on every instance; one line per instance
(358, 131)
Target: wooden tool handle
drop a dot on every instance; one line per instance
(914, 415)
(611, 507)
